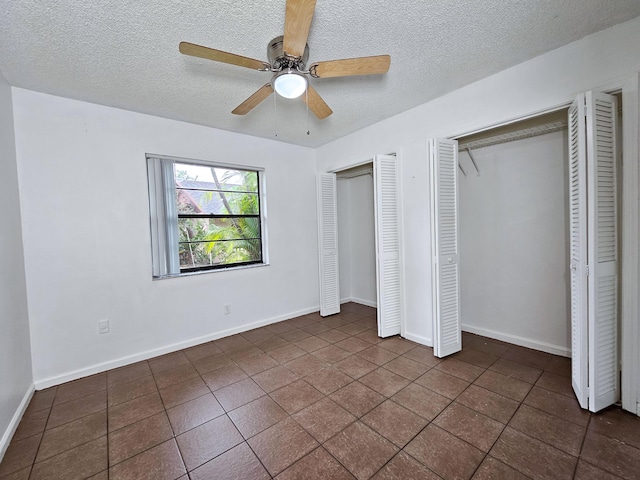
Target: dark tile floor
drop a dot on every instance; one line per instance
(313, 398)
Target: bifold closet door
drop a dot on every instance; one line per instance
(578, 250)
(594, 321)
(443, 160)
(328, 244)
(387, 237)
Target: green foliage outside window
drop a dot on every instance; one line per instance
(218, 217)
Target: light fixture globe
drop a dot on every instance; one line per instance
(289, 83)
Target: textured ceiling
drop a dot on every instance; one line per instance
(125, 53)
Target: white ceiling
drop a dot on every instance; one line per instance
(125, 53)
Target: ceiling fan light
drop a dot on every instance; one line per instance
(289, 84)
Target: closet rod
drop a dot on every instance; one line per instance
(348, 176)
(511, 136)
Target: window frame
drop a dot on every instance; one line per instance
(164, 216)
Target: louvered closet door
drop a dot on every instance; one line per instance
(328, 244)
(387, 227)
(604, 388)
(443, 157)
(578, 250)
(594, 250)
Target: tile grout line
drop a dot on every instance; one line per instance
(421, 430)
(374, 407)
(175, 437)
(43, 432)
(109, 466)
(245, 441)
(320, 444)
(504, 425)
(498, 438)
(520, 403)
(584, 439)
(550, 363)
(108, 452)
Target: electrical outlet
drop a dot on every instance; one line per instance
(227, 309)
(103, 326)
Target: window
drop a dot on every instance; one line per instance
(204, 216)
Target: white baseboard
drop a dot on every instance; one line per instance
(362, 301)
(15, 421)
(129, 359)
(517, 340)
(427, 342)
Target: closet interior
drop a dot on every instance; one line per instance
(515, 279)
(514, 233)
(356, 235)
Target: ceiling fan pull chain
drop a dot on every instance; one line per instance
(275, 115)
(306, 92)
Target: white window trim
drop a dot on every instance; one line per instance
(162, 208)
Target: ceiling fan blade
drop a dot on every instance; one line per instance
(254, 100)
(351, 66)
(297, 21)
(316, 104)
(220, 56)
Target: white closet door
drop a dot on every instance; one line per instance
(604, 386)
(578, 250)
(328, 244)
(387, 226)
(443, 157)
(594, 250)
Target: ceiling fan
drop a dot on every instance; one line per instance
(288, 55)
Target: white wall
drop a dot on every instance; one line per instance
(357, 239)
(514, 243)
(83, 189)
(16, 382)
(363, 258)
(603, 60)
(344, 240)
